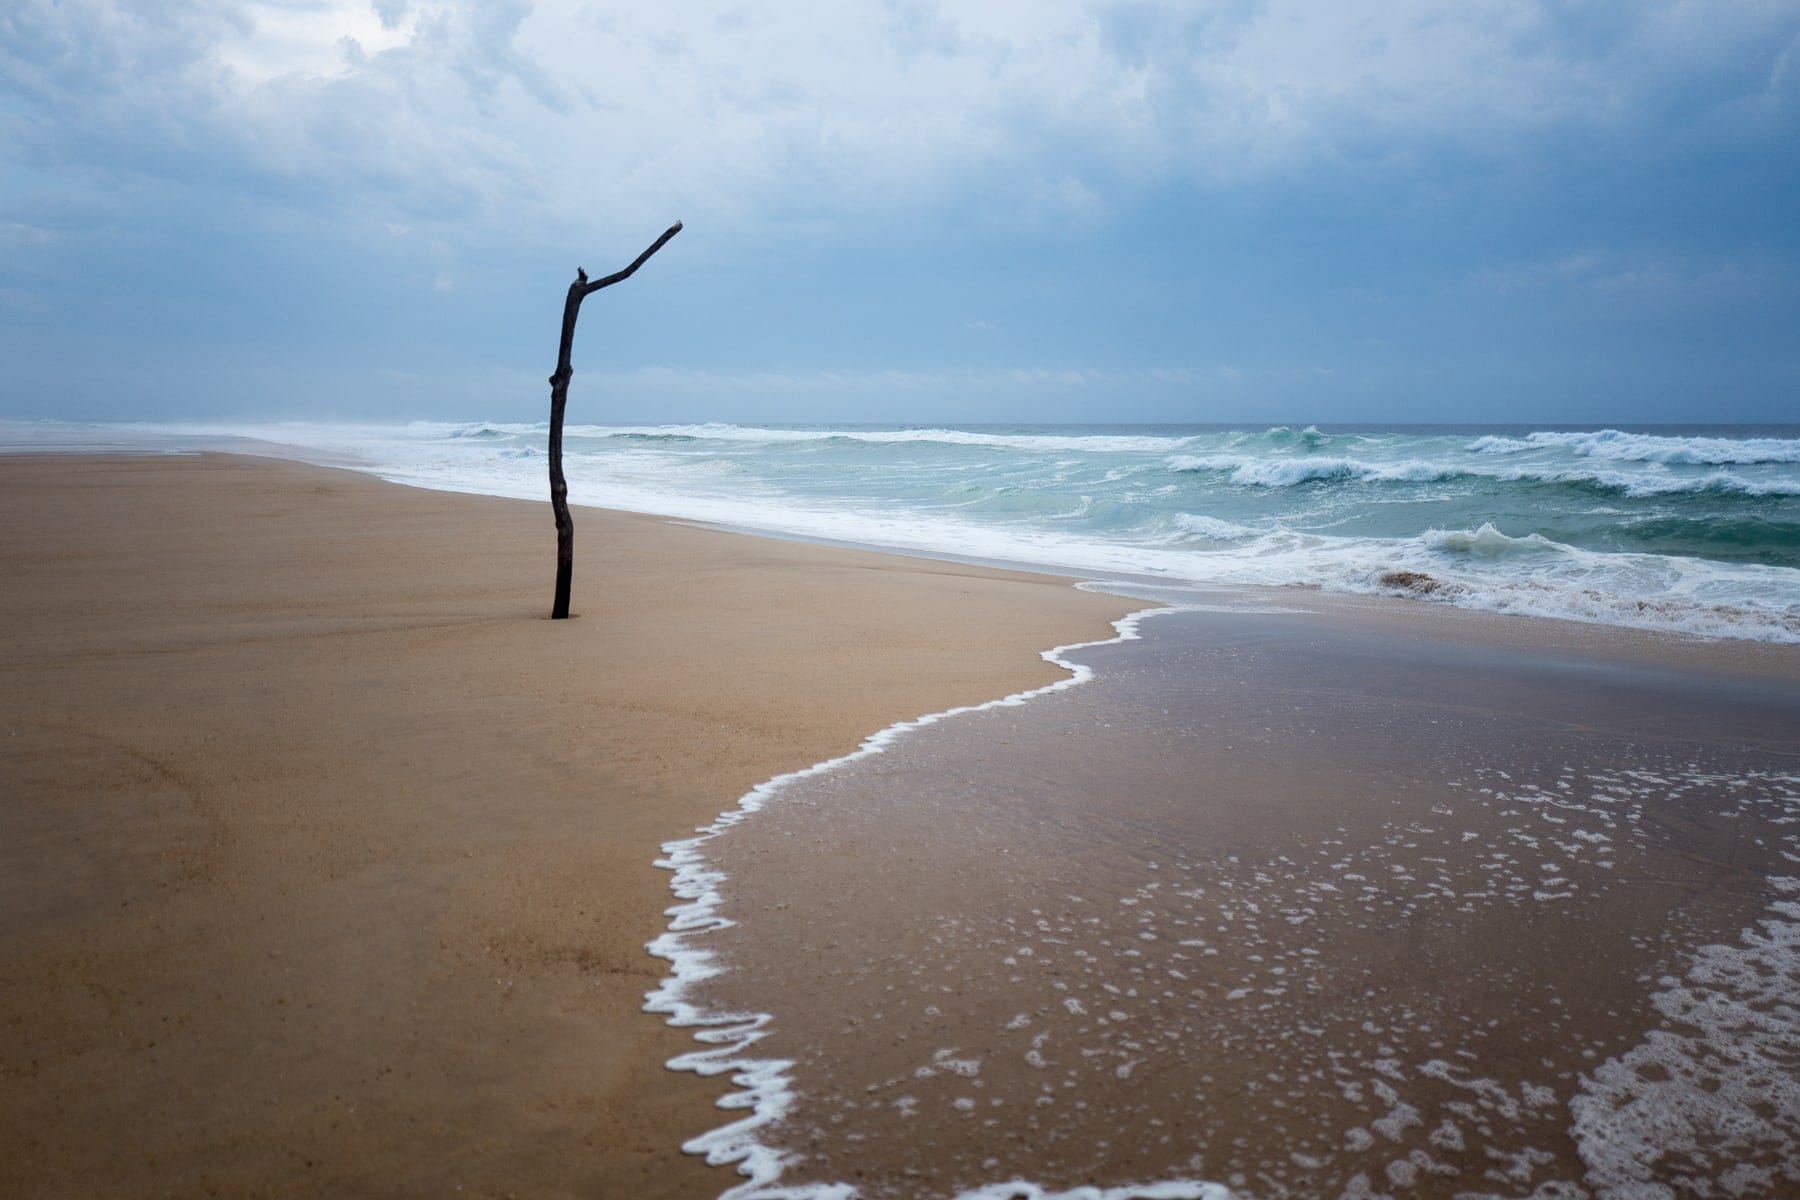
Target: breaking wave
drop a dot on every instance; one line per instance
(1648, 447)
(1697, 531)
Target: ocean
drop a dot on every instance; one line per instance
(1693, 529)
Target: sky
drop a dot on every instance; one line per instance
(1020, 210)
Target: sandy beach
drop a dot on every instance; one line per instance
(1171, 600)
(326, 859)
(327, 866)
(1304, 899)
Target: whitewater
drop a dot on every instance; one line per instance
(1690, 529)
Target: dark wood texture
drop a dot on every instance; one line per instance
(559, 399)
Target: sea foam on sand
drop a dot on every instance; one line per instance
(766, 1088)
(1150, 999)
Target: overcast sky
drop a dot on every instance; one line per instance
(1384, 210)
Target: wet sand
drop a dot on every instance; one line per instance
(1356, 901)
(326, 860)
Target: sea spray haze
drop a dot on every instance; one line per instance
(1695, 529)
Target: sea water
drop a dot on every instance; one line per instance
(1263, 905)
(1694, 529)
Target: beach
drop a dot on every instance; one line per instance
(1171, 600)
(330, 867)
(328, 860)
(1296, 899)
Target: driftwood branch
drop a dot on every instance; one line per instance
(559, 397)
(621, 276)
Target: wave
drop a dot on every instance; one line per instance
(1310, 436)
(1618, 446)
(1040, 442)
(1697, 549)
(1214, 529)
(1532, 575)
(1718, 483)
(1249, 471)
(1489, 542)
(1104, 443)
(481, 430)
(1742, 537)
(1249, 468)
(1291, 472)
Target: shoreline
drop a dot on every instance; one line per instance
(727, 1036)
(233, 971)
(774, 1157)
(1024, 865)
(1635, 568)
(645, 1166)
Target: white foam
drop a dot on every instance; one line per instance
(647, 469)
(1034, 442)
(1713, 1089)
(1719, 482)
(1489, 542)
(1648, 447)
(1250, 471)
(1294, 471)
(1214, 528)
(765, 1086)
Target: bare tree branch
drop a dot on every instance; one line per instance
(559, 397)
(620, 276)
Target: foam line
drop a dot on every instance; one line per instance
(1695, 536)
(729, 1038)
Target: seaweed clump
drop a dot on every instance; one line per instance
(1416, 582)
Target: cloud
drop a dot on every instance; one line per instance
(770, 115)
(311, 105)
(319, 39)
(1616, 277)
(1269, 183)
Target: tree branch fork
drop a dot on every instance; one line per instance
(579, 290)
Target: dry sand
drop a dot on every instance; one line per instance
(325, 859)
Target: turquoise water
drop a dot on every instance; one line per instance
(1684, 528)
